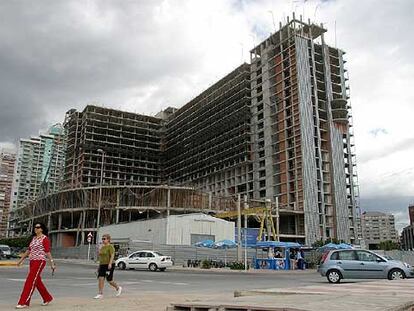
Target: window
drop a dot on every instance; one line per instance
(366, 256)
(344, 255)
(150, 255)
(136, 255)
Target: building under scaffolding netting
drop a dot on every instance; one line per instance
(71, 214)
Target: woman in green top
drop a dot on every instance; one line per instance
(106, 267)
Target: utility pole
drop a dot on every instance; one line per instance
(246, 206)
(277, 219)
(239, 254)
(98, 219)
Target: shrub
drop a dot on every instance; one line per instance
(21, 242)
(206, 264)
(235, 265)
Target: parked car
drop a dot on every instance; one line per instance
(150, 260)
(6, 251)
(361, 264)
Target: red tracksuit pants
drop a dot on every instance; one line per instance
(33, 281)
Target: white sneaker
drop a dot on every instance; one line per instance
(21, 306)
(99, 296)
(45, 303)
(119, 291)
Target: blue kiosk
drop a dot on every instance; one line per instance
(275, 263)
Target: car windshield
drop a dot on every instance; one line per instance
(158, 254)
(4, 248)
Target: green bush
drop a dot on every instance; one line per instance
(206, 264)
(235, 265)
(21, 242)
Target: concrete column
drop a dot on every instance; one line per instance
(117, 208)
(168, 201)
(83, 227)
(60, 222)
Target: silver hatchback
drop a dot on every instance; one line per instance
(361, 264)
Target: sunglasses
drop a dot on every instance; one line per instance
(38, 227)
(103, 239)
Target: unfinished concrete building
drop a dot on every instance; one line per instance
(71, 214)
(303, 132)
(207, 142)
(278, 129)
(122, 148)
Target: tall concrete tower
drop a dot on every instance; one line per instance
(302, 133)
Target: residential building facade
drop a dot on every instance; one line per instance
(38, 172)
(7, 162)
(378, 227)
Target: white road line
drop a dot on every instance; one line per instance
(17, 280)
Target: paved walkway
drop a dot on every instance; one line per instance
(358, 296)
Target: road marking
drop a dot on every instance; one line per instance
(130, 283)
(173, 283)
(17, 280)
(84, 284)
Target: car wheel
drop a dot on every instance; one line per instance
(396, 274)
(122, 265)
(153, 267)
(162, 269)
(333, 276)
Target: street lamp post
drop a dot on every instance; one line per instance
(100, 193)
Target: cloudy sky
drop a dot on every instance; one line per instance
(144, 56)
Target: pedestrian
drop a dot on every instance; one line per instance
(38, 251)
(300, 259)
(106, 267)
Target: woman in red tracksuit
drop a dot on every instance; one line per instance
(38, 250)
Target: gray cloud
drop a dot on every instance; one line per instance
(59, 55)
(394, 147)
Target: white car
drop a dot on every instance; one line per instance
(150, 260)
(5, 251)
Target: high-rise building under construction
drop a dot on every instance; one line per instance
(302, 131)
(278, 129)
(294, 144)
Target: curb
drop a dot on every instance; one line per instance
(246, 293)
(8, 264)
(404, 307)
(185, 269)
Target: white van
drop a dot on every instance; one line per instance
(5, 250)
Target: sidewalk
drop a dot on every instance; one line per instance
(159, 301)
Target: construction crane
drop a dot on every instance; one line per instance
(264, 216)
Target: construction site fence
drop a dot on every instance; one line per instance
(180, 254)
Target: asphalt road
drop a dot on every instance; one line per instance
(72, 280)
